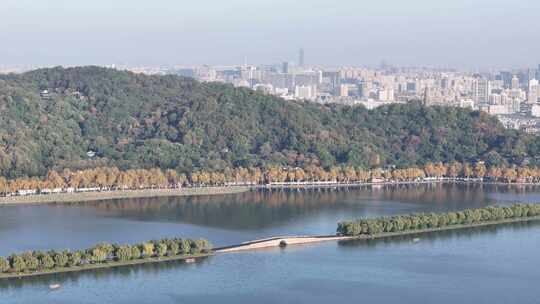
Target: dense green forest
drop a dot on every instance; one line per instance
(139, 121)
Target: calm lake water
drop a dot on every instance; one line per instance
(484, 265)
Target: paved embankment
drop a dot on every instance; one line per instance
(281, 241)
(108, 195)
(217, 190)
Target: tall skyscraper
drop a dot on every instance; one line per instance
(532, 95)
(506, 77)
(285, 67)
(515, 83)
(531, 74)
(301, 57)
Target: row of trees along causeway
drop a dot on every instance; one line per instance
(407, 223)
(104, 253)
(103, 178)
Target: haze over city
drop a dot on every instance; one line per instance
(460, 34)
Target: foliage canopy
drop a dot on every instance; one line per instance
(140, 121)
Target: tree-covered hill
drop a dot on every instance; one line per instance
(140, 121)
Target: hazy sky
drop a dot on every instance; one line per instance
(455, 33)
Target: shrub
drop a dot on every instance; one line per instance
(123, 253)
(135, 252)
(174, 248)
(17, 263)
(161, 249)
(185, 246)
(4, 265)
(46, 261)
(98, 255)
(31, 262)
(75, 258)
(61, 259)
(147, 249)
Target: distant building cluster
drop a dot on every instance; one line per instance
(513, 95)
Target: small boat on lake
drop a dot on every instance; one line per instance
(416, 240)
(54, 286)
(190, 260)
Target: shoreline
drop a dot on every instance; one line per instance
(76, 197)
(294, 185)
(115, 264)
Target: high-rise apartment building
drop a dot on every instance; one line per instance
(532, 94)
(363, 89)
(480, 90)
(301, 58)
(305, 92)
(344, 90)
(515, 83)
(506, 78)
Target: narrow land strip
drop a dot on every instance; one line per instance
(299, 240)
(267, 243)
(102, 266)
(118, 194)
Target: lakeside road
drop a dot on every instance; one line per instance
(118, 194)
(76, 197)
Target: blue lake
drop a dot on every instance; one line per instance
(483, 265)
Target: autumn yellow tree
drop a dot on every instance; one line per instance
(430, 169)
(480, 170)
(510, 175)
(494, 173)
(467, 170)
(3, 185)
(454, 170)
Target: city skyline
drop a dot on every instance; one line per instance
(479, 35)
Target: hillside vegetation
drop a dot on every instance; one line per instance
(139, 121)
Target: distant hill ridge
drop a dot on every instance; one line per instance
(51, 119)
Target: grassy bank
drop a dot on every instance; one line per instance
(111, 264)
(447, 228)
(108, 195)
